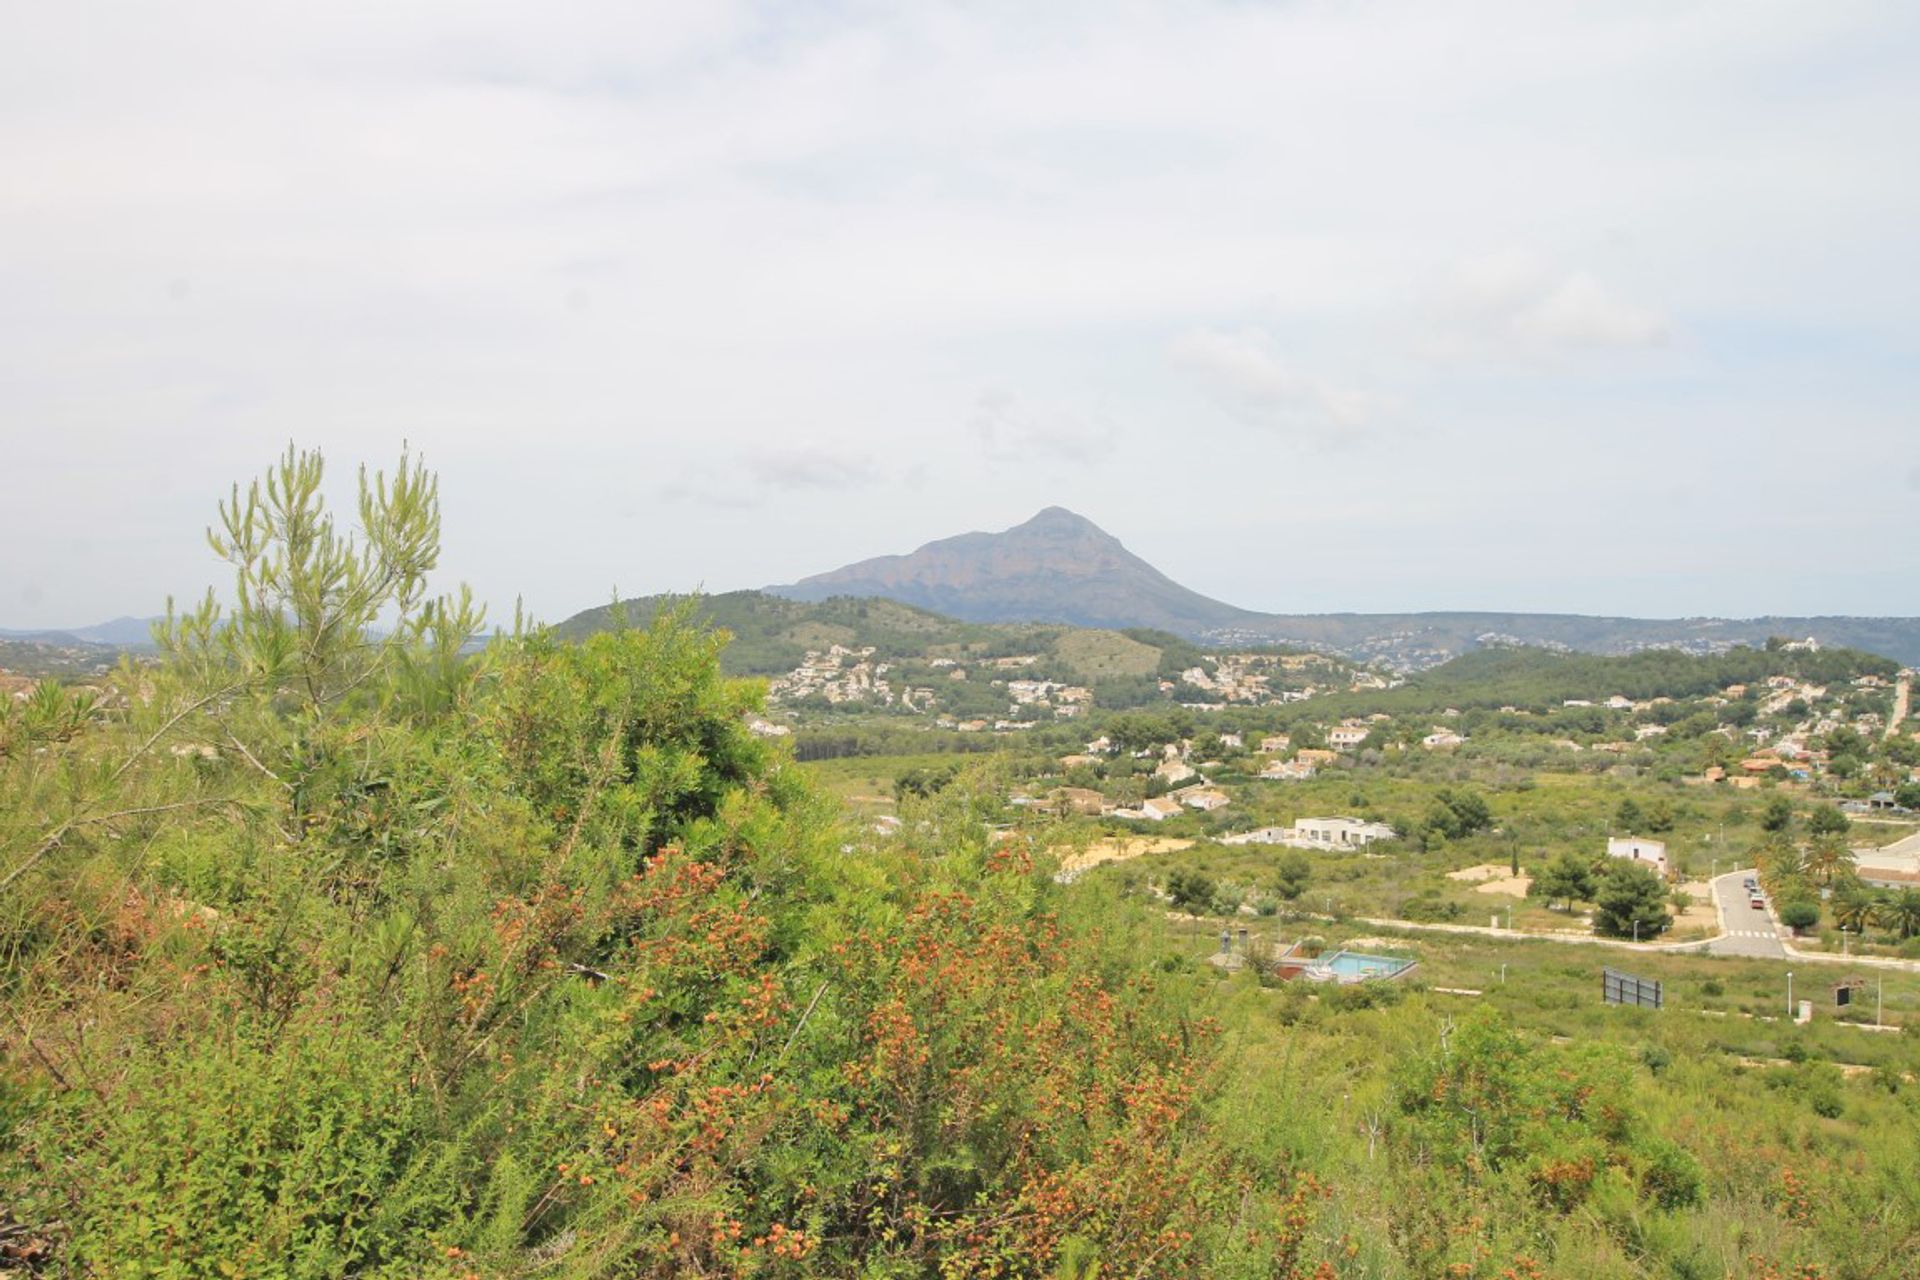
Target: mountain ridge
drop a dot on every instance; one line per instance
(1057, 566)
(1061, 567)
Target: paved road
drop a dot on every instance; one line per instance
(1901, 855)
(1745, 930)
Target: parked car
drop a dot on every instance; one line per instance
(1757, 902)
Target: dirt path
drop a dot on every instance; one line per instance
(1902, 695)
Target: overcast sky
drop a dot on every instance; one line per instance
(1375, 305)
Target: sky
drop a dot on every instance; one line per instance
(1375, 305)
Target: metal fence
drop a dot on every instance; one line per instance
(1624, 988)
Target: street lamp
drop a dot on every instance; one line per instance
(1789, 995)
(1636, 930)
(1846, 936)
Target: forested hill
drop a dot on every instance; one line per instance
(1412, 641)
(772, 635)
(1540, 679)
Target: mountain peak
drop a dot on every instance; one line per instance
(1060, 515)
(1058, 566)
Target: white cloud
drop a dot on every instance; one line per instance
(1245, 375)
(752, 476)
(1009, 427)
(1518, 302)
(812, 468)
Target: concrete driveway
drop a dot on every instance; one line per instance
(1746, 930)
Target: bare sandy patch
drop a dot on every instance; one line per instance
(1494, 877)
(1119, 849)
(1700, 913)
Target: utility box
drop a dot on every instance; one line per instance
(1806, 1013)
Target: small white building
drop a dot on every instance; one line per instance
(1288, 770)
(1651, 853)
(1339, 833)
(1345, 737)
(1174, 772)
(1160, 808)
(1204, 799)
(1260, 835)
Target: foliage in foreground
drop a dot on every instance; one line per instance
(337, 956)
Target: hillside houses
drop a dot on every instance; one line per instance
(1203, 798)
(1347, 737)
(839, 675)
(1288, 770)
(1173, 771)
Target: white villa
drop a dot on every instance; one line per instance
(1652, 853)
(1339, 833)
(1288, 770)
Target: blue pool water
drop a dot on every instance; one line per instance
(1353, 964)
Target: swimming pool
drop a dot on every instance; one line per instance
(1356, 966)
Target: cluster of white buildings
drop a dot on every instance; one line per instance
(1066, 700)
(1317, 833)
(844, 675)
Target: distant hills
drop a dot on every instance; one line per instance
(1061, 567)
(119, 633)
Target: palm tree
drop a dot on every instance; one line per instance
(1781, 865)
(1853, 907)
(1827, 858)
(1900, 913)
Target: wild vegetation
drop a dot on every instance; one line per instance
(333, 955)
(343, 951)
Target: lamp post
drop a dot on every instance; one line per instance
(1879, 986)
(1636, 930)
(1789, 995)
(1846, 936)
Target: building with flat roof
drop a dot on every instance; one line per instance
(1651, 853)
(1339, 833)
